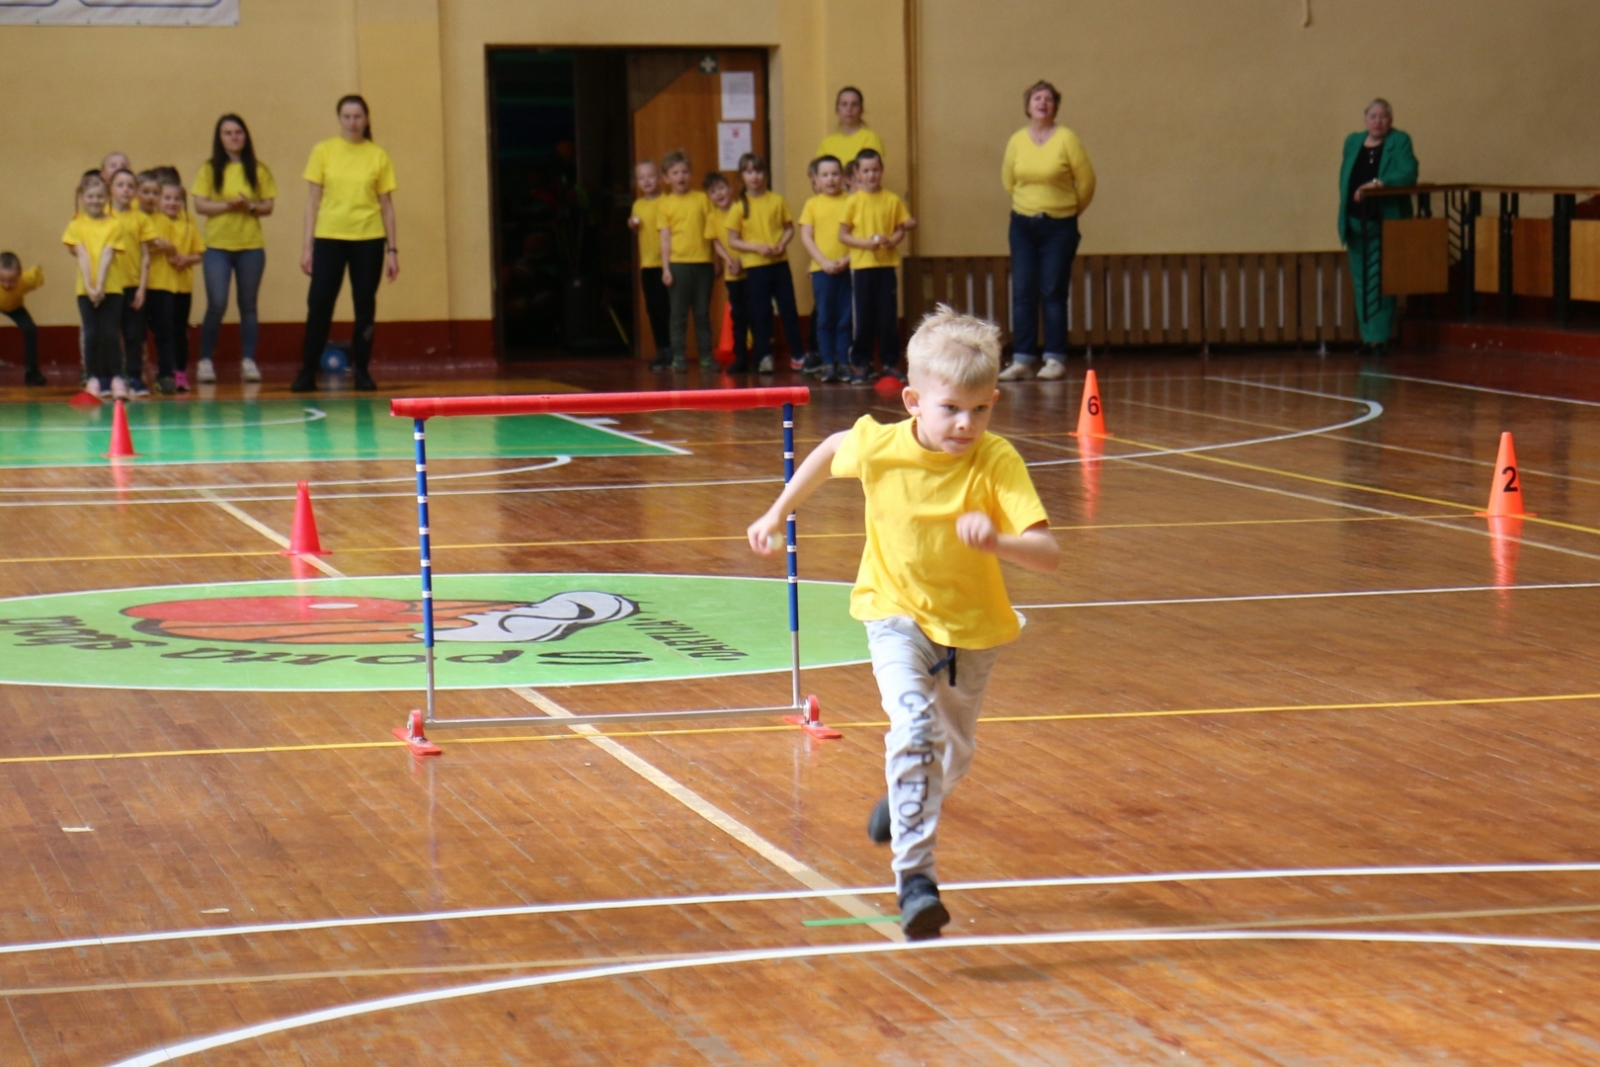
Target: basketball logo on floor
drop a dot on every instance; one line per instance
(366, 633)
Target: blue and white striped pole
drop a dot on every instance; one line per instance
(419, 434)
(794, 556)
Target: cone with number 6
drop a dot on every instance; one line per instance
(1505, 490)
(1092, 413)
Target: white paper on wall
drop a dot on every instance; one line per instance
(733, 141)
(738, 95)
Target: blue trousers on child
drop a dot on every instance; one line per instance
(830, 318)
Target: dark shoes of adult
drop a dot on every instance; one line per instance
(364, 382)
(304, 382)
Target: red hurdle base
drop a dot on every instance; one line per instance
(415, 739)
(811, 721)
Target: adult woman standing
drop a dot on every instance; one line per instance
(853, 134)
(350, 225)
(1051, 183)
(1379, 156)
(234, 191)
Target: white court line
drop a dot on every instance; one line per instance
(728, 959)
(310, 415)
(713, 899)
(785, 862)
(272, 535)
(1487, 389)
(547, 464)
(1307, 596)
(601, 425)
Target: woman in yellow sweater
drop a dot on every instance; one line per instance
(1051, 182)
(854, 134)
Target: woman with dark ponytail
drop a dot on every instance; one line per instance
(234, 191)
(350, 225)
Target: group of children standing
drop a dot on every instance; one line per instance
(851, 227)
(134, 245)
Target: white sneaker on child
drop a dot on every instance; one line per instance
(248, 370)
(1017, 372)
(119, 388)
(1052, 369)
(205, 371)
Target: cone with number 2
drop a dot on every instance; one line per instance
(1092, 413)
(1505, 490)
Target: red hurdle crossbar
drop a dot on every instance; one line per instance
(804, 712)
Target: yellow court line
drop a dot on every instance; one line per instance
(681, 540)
(1334, 482)
(251, 750)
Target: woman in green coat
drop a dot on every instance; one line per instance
(1381, 156)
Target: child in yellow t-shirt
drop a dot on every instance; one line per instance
(830, 269)
(875, 221)
(761, 228)
(15, 284)
(133, 275)
(95, 239)
(686, 268)
(734, 279)
(643, 221)
(946, 502)
(177, 248)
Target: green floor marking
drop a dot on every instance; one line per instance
(278, 431)
(355, 634)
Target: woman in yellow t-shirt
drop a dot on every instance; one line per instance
(1051, 182)
(350, 225)
(234, 191)
(854, 135)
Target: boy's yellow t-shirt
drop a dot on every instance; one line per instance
(353, 177)
(823, 214)
(913, 563)
(647, 211)
(760, 220)
(27, 281)
(869, 213)
(95, 235)
(1054, 179)
(235, 231)
(717, 225)
(686, 217)
(184, 236)
(845, 147)
(137, 228)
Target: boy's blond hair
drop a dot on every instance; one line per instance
(959, 350)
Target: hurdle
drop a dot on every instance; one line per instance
(802, 711)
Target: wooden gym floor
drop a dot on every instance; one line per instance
(1280, 643)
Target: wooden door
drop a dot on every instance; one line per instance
(676, 101)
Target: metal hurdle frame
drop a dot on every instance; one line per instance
(804, 712)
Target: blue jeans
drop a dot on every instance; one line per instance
(219, 266)
(830, 319)
(1042, 250)
(768, 285)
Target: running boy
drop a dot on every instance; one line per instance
(657, 305)
(830, 269)
(874, 223)
(15, 284)
(946, 501)
(683, 219)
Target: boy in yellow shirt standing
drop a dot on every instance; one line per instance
(15, 284)
(946, 501)
(686, 270)
(875, 222)
(643, 221)
(830, 269)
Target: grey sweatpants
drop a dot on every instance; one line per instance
(932, 734)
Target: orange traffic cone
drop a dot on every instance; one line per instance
(723, 353)
(411, 733)
(1505, 488)
(1091, 415)
(303, 534)
(121, 439)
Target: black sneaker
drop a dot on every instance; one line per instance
(304, 382)
(34, 377)
(878, 827)
(859, 377)
(827, 374)
(661, 363)
(363, 381)
(922, 914)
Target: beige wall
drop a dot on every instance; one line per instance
(1215, 126)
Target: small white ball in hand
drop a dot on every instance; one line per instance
(775, 541)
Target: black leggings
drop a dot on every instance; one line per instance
(657, 309)
(168, 316)
(329, 260)
(102, 347)
(30, 337)
(133, 334)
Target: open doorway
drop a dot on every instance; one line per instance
(565, 125)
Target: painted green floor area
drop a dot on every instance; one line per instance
(235, 431)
